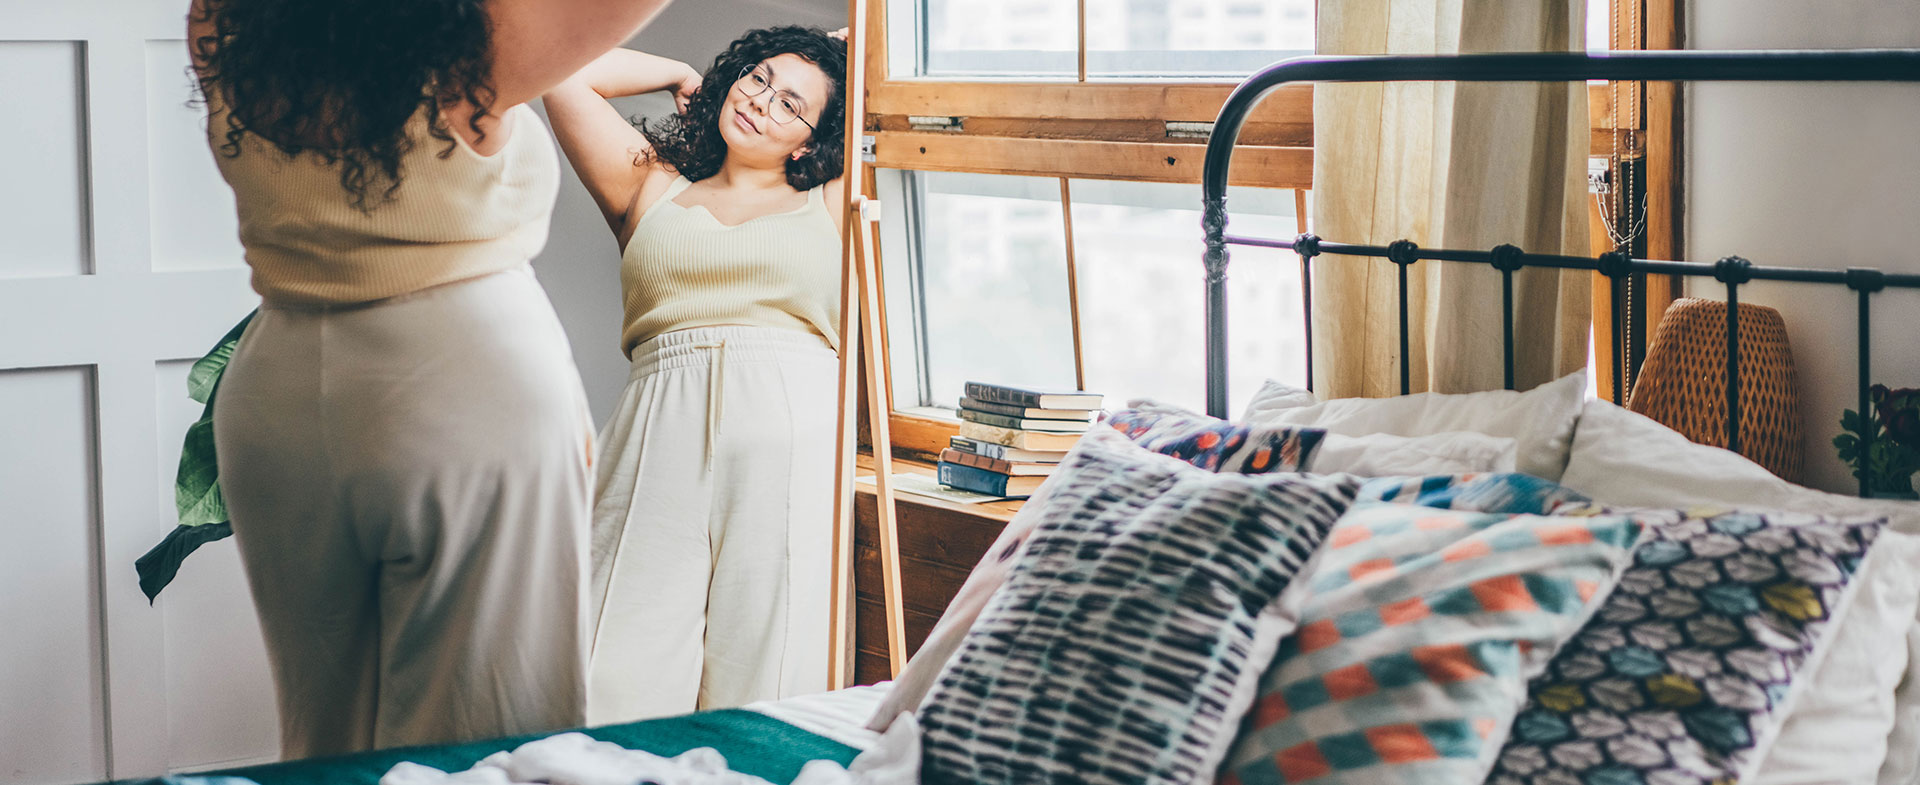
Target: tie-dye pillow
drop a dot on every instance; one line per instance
(1510, 493)
(1683, 675)
(1218, 445)
(1421, 629)
(1131, 631)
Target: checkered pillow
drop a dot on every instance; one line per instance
(1415, 646)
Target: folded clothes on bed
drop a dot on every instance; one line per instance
(579, 759)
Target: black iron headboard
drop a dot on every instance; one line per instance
(1695, 66)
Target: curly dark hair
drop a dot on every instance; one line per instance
(342, 78)
(690, 142)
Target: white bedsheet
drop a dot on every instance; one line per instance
(892, 758)
(840, 715)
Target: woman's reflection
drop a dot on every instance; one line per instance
(712, 524)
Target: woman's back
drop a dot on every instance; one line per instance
(454, 215)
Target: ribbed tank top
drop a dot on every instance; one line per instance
(683, 268)
(455, 217)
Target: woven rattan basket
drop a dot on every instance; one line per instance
(1683, 383)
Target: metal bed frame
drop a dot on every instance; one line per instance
(1700, 66)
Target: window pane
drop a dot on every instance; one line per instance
(1230, 38)
(976, 285)
(1599, 25)
(1142, 290)
(999, 38)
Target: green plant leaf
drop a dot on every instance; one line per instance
(204, 377)
(196, 488)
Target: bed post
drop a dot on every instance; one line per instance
(1213, 219)
(1865, 282)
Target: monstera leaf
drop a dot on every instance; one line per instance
(196, 485)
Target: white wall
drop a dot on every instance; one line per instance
(1811, 175)
(581, 265)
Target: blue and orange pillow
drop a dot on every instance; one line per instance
(1218, 445)
(1420, 633)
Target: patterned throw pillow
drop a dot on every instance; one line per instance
(1130, 633)
(1514, 494)
(1682, 676)
(1421, 630)
(1218, 445)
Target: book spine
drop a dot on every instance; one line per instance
(995, 465)
(1018, 439)
(996, 420)
(977, 447)
(1004, 395)
(977, 405)
(968, 478)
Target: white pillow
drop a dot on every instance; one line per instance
(1625, 459)
(1540, 421)
(1838, 725)
(1387, 455)
(1903, 744)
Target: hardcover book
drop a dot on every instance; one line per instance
(1040, 399)
(983, 481)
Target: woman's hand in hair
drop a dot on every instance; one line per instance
(840, 34)
(683, 92)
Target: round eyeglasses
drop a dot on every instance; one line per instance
(785, 107)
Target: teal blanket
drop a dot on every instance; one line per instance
(753, 743)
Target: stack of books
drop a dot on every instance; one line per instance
(1011, 438)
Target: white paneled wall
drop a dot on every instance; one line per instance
(118, 266)
(47, 233)
(53, 727)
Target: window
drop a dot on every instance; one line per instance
(979, 288)
(1137, 250)
(1042, 221)
(975, 38)
(1194, 38)
(1000, 126)
(984, 263)
(1039, 39)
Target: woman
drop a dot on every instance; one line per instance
(402, 435)
(713, 520)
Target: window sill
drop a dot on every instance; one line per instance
(1001, 511)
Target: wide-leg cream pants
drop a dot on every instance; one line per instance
(409, 488)
(712, 526)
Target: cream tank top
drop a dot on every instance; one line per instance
(457, 214)
(683, 269)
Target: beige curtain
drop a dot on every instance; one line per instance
(1467, 166)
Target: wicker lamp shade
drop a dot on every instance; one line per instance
(1683, 383)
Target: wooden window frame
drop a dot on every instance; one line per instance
(1643, 120)
(1115, 130)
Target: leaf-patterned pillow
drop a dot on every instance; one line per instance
(1682, 676)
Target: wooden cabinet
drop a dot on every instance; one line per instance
(939, 544)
